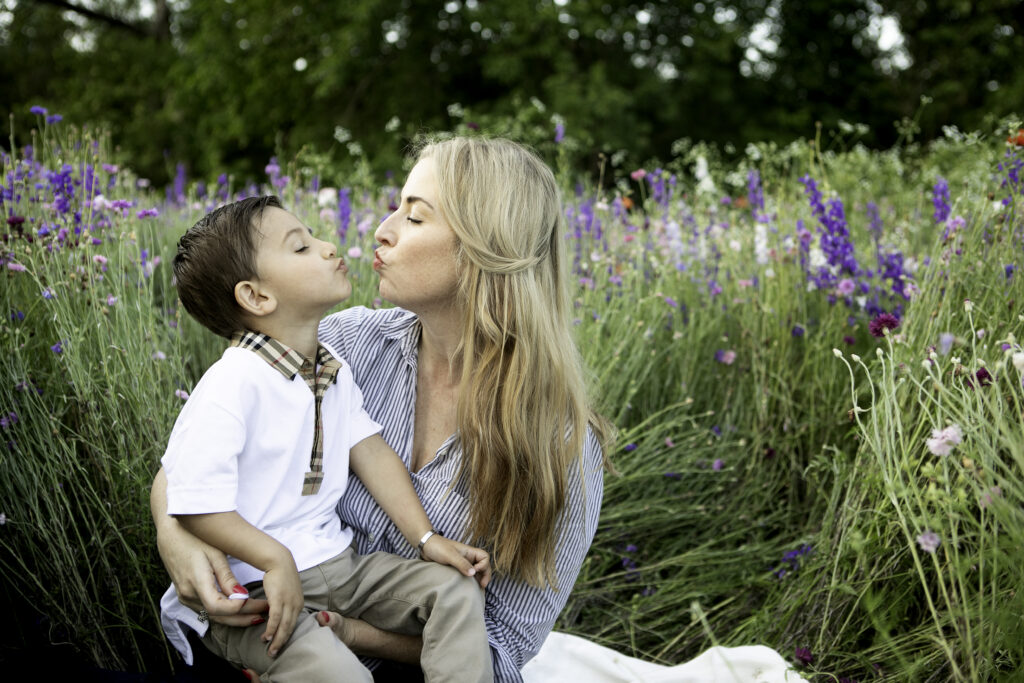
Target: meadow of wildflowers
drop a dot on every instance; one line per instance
(813, 358)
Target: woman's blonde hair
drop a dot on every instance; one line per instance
(523, 408)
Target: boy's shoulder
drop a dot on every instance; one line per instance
(236, 369)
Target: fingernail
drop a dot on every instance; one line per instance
(472, 572)
(247, 674)
(240, 589)
(326, 616)
(258, 620)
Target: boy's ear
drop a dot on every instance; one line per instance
(253, 300)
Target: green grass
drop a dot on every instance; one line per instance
(723, 468)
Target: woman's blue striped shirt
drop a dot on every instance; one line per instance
(381, 348)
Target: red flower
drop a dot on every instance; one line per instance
(884, 321)
(1017, 139)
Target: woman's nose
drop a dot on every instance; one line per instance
(384, 234)
(329, 250)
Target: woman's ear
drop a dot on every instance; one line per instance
(253, 300)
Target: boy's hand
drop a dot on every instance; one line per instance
(468, 560)
(284, 593)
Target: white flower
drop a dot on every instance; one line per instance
(943, 440)
(1018, 361)
(327, 196)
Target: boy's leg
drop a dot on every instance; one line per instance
(414, 596)
(311, 654)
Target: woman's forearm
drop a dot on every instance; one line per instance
(369, 641)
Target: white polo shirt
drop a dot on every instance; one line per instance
(243, 441)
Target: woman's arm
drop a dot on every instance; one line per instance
(199, 571)
(369, 641)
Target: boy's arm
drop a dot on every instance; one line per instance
(386, 478)
(192, 563)
(229, 532)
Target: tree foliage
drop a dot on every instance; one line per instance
(223, 85)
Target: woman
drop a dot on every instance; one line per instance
(480, 389)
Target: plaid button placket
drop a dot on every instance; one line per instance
(290, 363)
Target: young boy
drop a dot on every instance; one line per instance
(259, 457)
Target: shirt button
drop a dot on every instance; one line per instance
(370, 538)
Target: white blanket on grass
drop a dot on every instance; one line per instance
(565, 658)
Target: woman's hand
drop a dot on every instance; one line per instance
(468, 560)
(203, 579)
(199, 571)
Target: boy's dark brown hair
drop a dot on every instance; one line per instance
(214, 255)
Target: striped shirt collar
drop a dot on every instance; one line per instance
(284, 359)
(406, 330)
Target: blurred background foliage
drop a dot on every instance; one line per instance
(223, 85)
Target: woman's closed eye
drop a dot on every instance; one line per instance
(301, 249)
(414, 221)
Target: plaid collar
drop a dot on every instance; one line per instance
(284, 359)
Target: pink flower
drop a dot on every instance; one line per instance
(638, 174)
(669, 442)
(16, 267)
(717, 464)
(181, 393)
(846, 286)
(929, 541)
(111, 299)
(987, 497)
(99, 259)
(943, 440)
(355, 252)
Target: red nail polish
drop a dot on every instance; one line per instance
(247, 674)
(325, 615)
(239, 588)
(258, 620)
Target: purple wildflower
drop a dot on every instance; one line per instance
(946, 340)
(629, 447)
(755, 195)
(804, 655)
(726, 357)
(58, 347)
(559, 132)
(940, 200)
(38, 111)
(54, 118)
(718, 464)
(797, 331)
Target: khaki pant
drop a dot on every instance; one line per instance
(413, 597)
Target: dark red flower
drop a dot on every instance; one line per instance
(883, 322)
(983, 376)
(804, 656)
